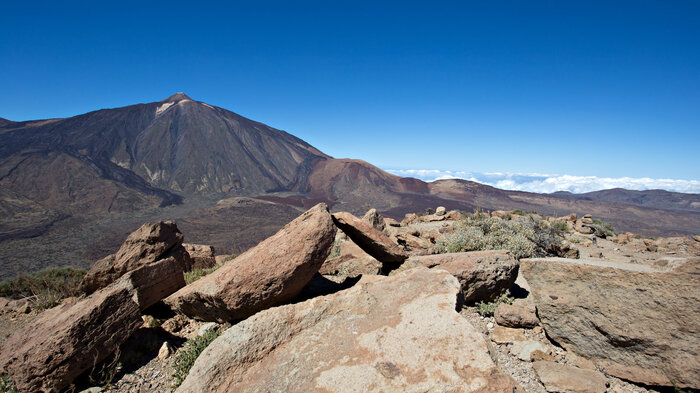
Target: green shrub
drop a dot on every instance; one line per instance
(488, 309)
(184, 360)
(335, 250)
(560, 227)
(603, 229)
(196, 274)
(103, 374)
(45, 288)
(527, 237)
(6, 385)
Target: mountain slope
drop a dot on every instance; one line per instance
(175, 146)
(660, 199)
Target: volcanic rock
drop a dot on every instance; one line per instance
(271, 273)
(483, 275)
(372, 241)
(506, 335)
(69, 339)
(152, 241)
(636, 322)
(385, 334)
(202, 256)
(154, 282)
(515, 316)
(562, 378)
(374, 219)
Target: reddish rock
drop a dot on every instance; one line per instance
(352, 262)
(202, 256)
(384, 334)
(154, 282)
(558, 377)
(69, 339)
(636, 322)
(374, 219)
(564, 250)
(271, 273)
(516, 315)
(483, 275)
(145, 245)
(372, 241)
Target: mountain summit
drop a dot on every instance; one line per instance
(173, 146)
(177, 97)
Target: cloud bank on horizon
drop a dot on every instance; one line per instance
(542, 183)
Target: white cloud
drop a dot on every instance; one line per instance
(543, 183)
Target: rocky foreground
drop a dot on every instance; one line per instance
(337, 303)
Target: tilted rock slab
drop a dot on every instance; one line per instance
(152, 241)
(482, 275)
(385, 334)
(372, 241)
(153, 282)
(69, 339)
(271, 273)
(636, 323)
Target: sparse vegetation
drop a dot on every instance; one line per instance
(602, 228)
(45, 288)
(184, 360)
(529, 236)
(196, 274)
(6, 385)
(335, 250)
(523, 212)
(103, 374)
(560, 227)
(488, 309)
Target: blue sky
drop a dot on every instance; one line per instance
(582, 88)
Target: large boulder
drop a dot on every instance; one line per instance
(203, 256)
(272, 273)
(65, 341)
(149, 243)
(482, 275)
(385, 334)
(636, 322)
(372, 241)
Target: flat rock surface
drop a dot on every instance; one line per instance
(636, 324)
(563, 378)
(483, 275)
(396, 334)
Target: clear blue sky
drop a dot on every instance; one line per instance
(605, 88)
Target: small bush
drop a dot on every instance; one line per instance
(196, 274)
(524, 238)
(335, 250)
(103, 374)
(603, 229)
(488, 309)
(184, 360)
(6, 385)
(560, 227)
(45, 288)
